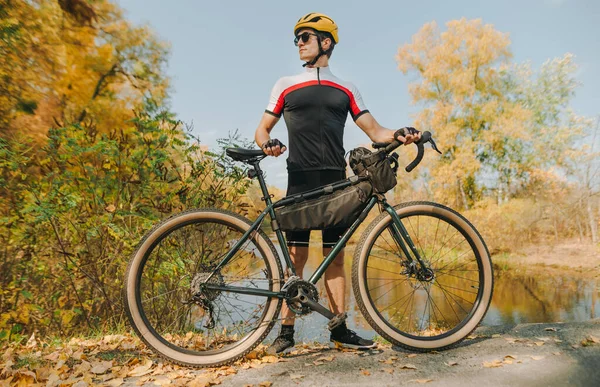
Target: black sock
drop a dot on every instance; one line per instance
(339, 329)
(287, 330)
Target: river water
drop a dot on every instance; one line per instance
(520, 296)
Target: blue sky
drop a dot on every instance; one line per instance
(226, 55)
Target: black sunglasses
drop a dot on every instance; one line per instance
(305, 36)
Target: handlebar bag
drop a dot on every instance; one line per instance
(377, 166)
(337, 209)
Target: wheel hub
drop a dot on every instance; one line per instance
(198, 288)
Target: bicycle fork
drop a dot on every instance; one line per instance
(402, 239)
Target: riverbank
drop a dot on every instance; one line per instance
(571, 256)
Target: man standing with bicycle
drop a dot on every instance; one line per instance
(315, 104)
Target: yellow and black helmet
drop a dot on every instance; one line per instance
(318, 22)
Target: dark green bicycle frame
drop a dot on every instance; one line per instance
(398, 231)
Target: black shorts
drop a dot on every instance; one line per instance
(304, 181)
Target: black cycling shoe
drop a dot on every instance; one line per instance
(280, 344)
(346, 338)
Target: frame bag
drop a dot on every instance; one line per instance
(377, 166)
(331, 210)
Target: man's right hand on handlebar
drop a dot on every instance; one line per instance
(273, 147)
(407, 135)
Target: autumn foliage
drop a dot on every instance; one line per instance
(516, 159)
(90, 159)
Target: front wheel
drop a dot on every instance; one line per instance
(423, 309)
(173, 311)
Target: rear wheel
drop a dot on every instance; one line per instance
(172, 311)
(416, 309)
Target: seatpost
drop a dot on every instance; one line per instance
(263, 186)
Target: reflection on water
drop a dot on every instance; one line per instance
(518, 298)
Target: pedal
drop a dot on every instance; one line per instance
(337, 321)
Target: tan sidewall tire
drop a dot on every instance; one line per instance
(266, 248)
(362, 297)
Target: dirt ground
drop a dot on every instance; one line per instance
(520, 355)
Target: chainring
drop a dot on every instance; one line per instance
(292, 291)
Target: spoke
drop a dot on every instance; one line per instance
(451, 249)
(459, 289)
(162, 294)
(387, 271)
(397, 301)
(453, 299)
(389, 290)
(385, 283)
(454, 275)
(385, 259)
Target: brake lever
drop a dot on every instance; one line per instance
(434, 146)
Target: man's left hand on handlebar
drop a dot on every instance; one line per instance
(407, 135)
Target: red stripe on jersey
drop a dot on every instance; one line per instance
(354, 109)
(280, 100)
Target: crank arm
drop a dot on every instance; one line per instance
(305, 300)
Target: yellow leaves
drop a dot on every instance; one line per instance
(590, 340)
(141, 370)
(101, 367)
(493, 364)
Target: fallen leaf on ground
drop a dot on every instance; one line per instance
(296, 376)
(366, 372)
(451, 363)
(114, 382)
(471, 337)
(162, 381)
(539, 343)
(543, 338)
(265, 384)
(141, 370)
(388, 370)
(551, 329)
(411, 355)
(326, 358)
(556, 353)
(493, 364)
(422, 381)
(510, 356)
(537, 357)
(495, 335)
(101, 367)
(408, 367)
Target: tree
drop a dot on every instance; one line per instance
(497, 123)
(70, 61)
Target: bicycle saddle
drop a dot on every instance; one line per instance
(241, 154)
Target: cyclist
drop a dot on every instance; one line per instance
(315, 104)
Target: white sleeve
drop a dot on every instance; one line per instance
(276, 100)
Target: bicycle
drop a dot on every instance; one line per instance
(205, 286)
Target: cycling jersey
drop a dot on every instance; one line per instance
(315, 105)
